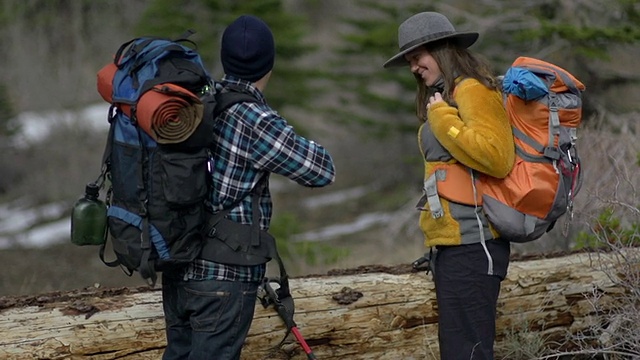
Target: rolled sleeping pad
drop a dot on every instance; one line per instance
(167, 112)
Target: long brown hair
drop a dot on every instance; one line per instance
(454, 62)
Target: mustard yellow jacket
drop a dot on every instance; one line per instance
(476, 134)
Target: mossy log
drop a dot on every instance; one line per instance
(365, 313)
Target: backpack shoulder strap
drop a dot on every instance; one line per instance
(227, 99)
(218, 102)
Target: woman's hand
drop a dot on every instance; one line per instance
(436, 98)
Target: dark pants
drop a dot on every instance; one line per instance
(206, 319)
(467, 298)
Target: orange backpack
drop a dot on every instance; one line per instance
(544, 105)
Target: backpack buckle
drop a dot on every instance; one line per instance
(212, 231)
(552, 152)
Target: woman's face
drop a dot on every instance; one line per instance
(423, 65)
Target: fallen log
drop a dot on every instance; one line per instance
(365, 313)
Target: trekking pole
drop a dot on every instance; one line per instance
(286, 312)
(303, 343)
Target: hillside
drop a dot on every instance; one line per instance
(51, 55)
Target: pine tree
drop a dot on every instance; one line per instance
(289, 84)
(577, 36)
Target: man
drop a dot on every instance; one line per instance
(209, 306)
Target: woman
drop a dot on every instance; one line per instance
(464, 134)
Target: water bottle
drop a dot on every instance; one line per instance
(89, 218)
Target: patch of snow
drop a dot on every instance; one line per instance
(15, 219)
(35, 126)
(363, 222)
(336, 197)
(40, 236)
(39, 226)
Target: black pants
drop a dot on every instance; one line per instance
(467, 297)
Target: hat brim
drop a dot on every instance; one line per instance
(463, 40)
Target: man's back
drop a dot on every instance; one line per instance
(209, 306)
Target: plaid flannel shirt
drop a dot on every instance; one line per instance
(252, 140)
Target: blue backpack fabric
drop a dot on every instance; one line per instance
(156, 191)
(148, 61)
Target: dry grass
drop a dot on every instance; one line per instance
(611, 182)
(57, 268)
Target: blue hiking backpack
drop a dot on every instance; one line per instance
(157, 159)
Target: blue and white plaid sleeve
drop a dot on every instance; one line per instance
(278, 149)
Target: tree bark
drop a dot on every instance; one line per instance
(365, 313)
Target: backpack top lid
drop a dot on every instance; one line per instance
(145, 62)
(158, 84)
(524, 84)
(556, 78)
(530, 87)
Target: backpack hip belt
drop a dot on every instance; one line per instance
(232, 243)
(454, 182)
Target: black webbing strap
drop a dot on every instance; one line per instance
(106, 155)
(106, 167)
(256, 191)
(255, 210)
(184, 37)
(281, 300)
(146, 268)
(224, 100)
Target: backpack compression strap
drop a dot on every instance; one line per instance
(146, 266)
(106, 168)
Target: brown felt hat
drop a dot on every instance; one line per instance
(424, 28)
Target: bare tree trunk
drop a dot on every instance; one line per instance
(394, 318)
